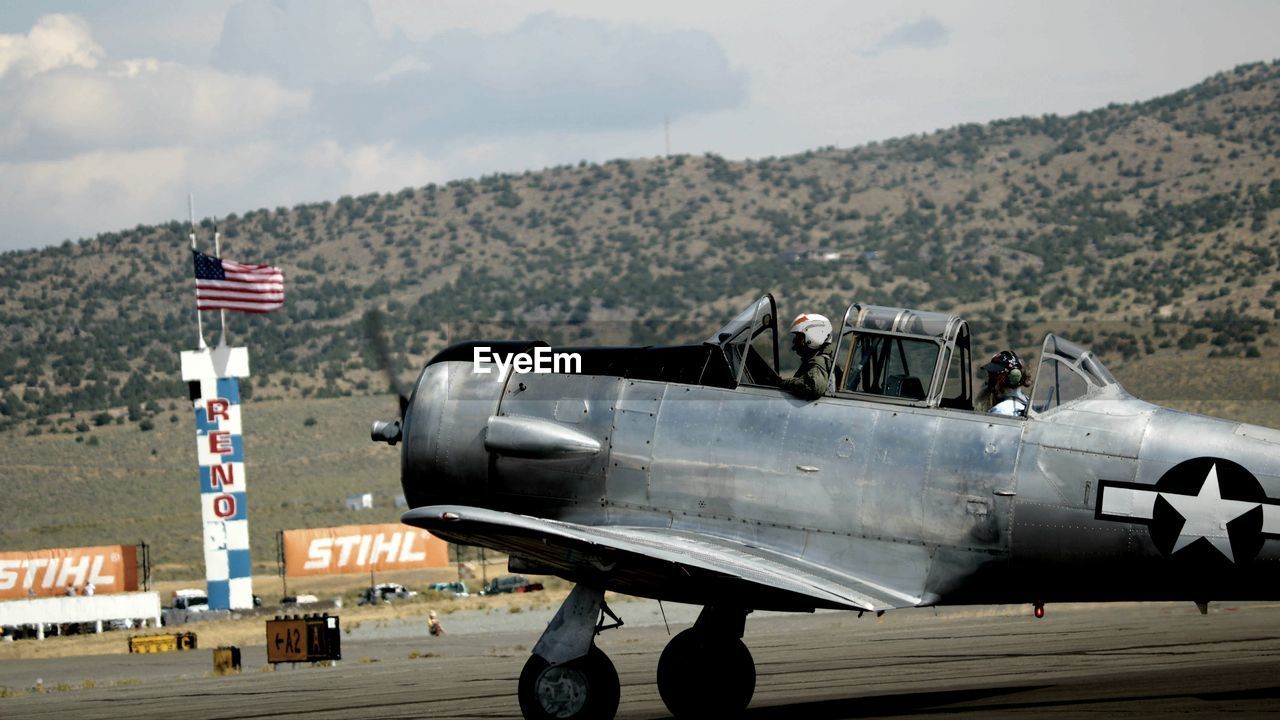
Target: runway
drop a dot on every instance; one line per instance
(1079, 661)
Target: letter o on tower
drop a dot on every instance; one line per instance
(224, 506)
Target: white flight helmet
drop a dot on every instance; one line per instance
(816, 329)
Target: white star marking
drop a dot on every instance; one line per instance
(1206, 515)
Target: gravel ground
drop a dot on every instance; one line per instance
(1079, 662)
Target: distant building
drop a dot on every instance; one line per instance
(810, 255)
(360, 501)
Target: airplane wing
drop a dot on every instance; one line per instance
(676, 565)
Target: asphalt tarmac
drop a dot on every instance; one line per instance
(1079, 661)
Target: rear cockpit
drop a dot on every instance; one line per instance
(924, 359)
(905, 357)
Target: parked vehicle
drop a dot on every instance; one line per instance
(191, 600)
(454, 589)
(510, 584)
(298, 600)
(385, 592)
(188, 604)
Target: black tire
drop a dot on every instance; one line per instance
(583, 689)
(704, 676)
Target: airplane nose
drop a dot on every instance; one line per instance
(443, 456)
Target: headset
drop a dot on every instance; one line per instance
(1000, 363)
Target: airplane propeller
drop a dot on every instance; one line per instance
(375, 332)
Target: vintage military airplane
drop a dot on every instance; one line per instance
(684, 474)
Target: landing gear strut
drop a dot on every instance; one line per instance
(568, 677)
(707, 671)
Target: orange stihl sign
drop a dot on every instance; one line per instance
(361, 548)
(44, 573)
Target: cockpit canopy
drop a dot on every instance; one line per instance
(895, 354)
(750, 344)
(1067, 372)
(891, 355)
(904, 356)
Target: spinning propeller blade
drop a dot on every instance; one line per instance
(376, 334)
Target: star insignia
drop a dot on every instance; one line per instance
(1180, 516)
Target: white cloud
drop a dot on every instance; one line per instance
(110, 118)
(306, 101)
(924, 34)
(382, 167)
(305, 43)
(561, 72)
(46, 201)
(548, 73)
(56, 41)
(64, 98)
(100, 191)
(139, 104)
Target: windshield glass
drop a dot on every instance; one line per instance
(1083, 360)
(750, 344)
(1056, 384)
(890, 366)
(736, 326)
(956, 392)
(1067, 372)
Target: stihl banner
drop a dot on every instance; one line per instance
(68, 571)
(361, 549)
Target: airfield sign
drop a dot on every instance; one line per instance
(311, 638)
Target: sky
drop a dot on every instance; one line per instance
(113, 112)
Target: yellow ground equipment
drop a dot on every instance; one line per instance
(168, 642)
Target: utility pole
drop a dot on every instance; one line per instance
(281, 563)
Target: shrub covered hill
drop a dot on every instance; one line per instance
(1148, 231)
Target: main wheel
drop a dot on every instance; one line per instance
(703, 676)
(583, 689)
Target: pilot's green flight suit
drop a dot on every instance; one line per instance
(810, 380)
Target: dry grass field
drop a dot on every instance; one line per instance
(132, 486)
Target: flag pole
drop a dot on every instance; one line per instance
(191, 208)
(222, 314)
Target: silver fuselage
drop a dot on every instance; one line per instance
(953, 506)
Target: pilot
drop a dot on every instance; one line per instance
(1005, 380)
(811, 340)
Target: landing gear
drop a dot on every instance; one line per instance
(581, 689)
(568, 677)
(707, 671)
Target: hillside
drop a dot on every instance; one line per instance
(1149, 231)
(1164, 210)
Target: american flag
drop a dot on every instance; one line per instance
(226, 285)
